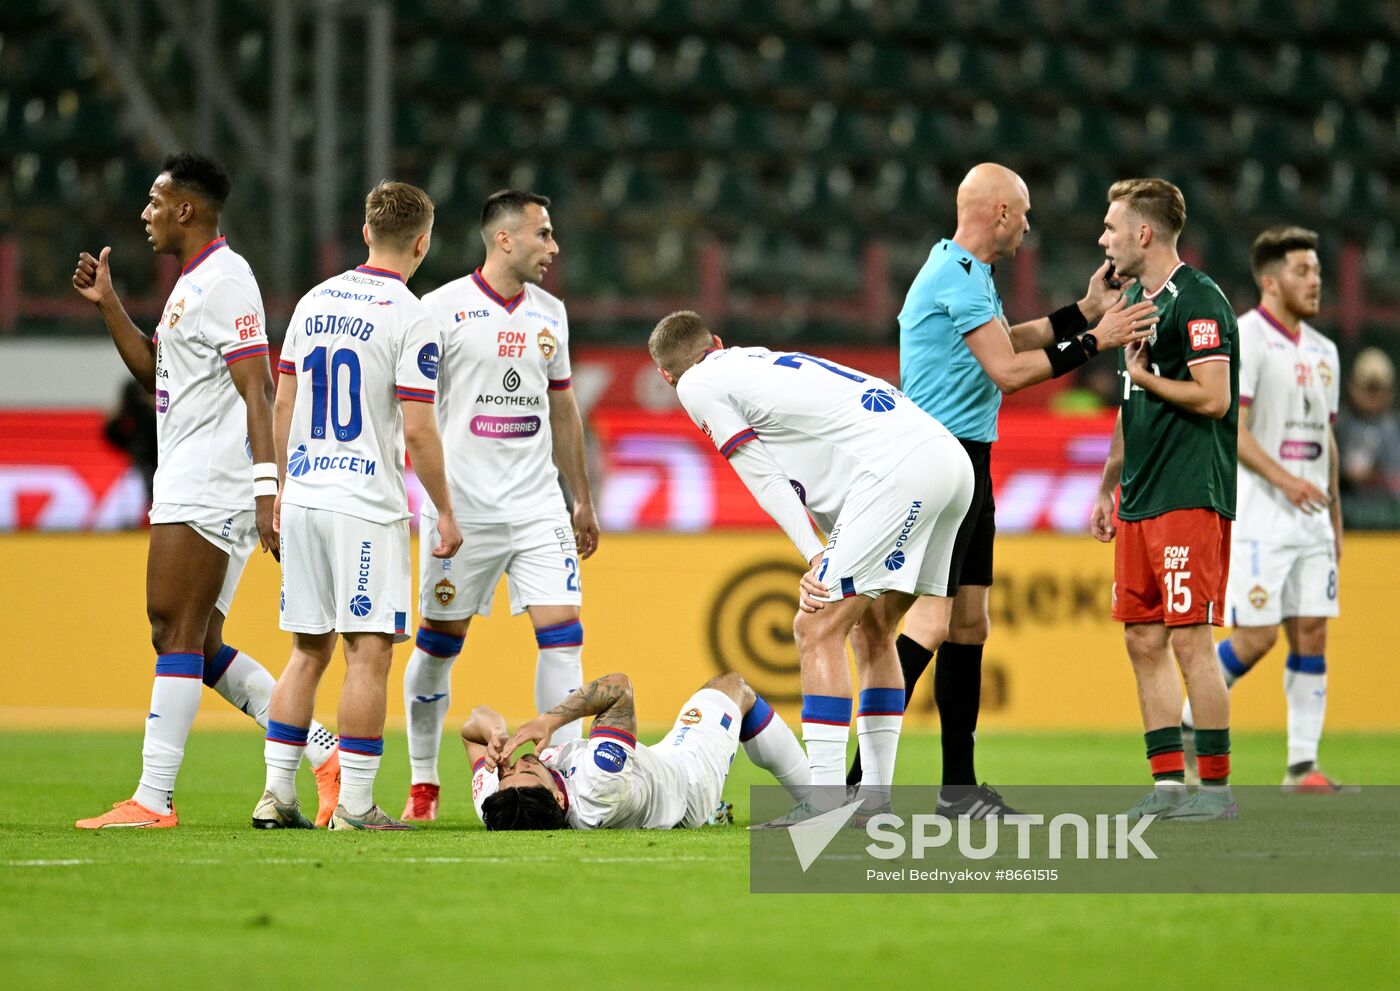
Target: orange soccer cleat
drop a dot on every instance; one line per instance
(422, 803)
(327, 789)
(130, 814)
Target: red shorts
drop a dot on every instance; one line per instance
(1171, 569)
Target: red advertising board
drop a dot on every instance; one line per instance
(655, 472)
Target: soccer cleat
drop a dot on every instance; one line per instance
(375, 818)
(422, 803)
(800, 812)
(1204, 805)
(723, 815)
(1188, 753)
(272, 814)
(863, 816)
(1314, 782)
(130, 814)
(1157, 802)
(327, 789)
(972, 801)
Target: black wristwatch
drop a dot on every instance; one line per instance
(1090, 343)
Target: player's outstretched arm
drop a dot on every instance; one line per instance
(93, 281)
(608, 699)
(1101, 520)
(484, 734)
(991, 345)
(1104, 291)
(566, 429)
(772, 490)
(1334, 484)
(420, 436)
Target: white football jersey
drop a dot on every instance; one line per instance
(1291, 387)
(823, 423)
(359, 344)
(213, 318)
(610, 780)
(501, 357)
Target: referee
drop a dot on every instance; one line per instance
(957, 355)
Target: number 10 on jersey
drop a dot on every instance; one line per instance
(328, 401)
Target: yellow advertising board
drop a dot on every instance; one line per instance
(672, 611)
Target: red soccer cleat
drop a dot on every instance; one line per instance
(327, 789)
(422, 803)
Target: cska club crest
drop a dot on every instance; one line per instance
(1258, 598)
(176, 312)
(690, 717)
(445, 591)
(548, 344)
(1324, 372)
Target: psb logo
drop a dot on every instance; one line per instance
(360, 605)
(548, 344)
(511, 381)
(1258, 598)
(894, 561)
(877, 400)
(299, 463)
(691, 716)
(610, 756)
(428, 361)
(444, 591)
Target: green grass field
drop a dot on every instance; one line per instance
(216, 904)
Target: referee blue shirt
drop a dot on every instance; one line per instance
(952, 295)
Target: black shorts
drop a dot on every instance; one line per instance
(972, 548)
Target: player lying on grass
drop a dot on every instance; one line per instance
(609, 780)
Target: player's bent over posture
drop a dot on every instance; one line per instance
(882, 478)
(359, 370)
(1287, 537)
(510, 427)
(206, 364)
(1174, 452)
(609, 780)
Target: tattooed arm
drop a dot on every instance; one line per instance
(608, 699)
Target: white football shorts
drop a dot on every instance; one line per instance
(538, 557)
(236, 534)
(1270, 583)
(702, 744)
(896, 533)
(343, 573)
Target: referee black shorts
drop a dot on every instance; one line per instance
(972, 548)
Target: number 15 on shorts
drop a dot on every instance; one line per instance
(1178, 594)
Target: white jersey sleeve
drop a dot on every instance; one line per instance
(417, 369)
(602, 778)
(484, 784)
(557, 366)
(1251, 361)
(714, 412)
(233, 322)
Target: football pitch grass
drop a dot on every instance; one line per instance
(217, 904)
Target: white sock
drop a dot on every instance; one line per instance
(826, 727)
(559, 671)
(357, 771)
(878, 722)
(174, 702)
(282, 761)
(1305, 686)
(427, 692)
(247, 686)
(771, 745)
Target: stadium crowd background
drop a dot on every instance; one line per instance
(781, 166)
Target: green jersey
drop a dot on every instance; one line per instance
(1173, 459)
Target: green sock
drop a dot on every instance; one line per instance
(1165, 755)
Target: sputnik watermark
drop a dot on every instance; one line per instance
(893, 837)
